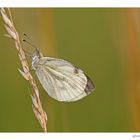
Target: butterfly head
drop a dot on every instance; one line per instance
(35, 58)
(36, 55)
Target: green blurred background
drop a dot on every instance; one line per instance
(103, 42)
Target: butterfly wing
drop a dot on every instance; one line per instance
(62, 80)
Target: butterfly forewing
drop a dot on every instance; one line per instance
(62, 80)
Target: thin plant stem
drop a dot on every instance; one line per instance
(40, 114)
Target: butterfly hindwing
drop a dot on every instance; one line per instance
(62, 80)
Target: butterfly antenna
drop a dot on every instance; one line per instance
(27, 36)
(29, 43)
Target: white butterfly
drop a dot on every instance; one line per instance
(62, 80)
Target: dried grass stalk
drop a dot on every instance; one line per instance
(12, 33)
